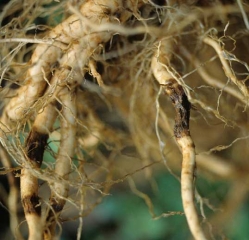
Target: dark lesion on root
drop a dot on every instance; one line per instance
(56, 207)
(182, 107)
(35, 146)
(31, 204)
(54, 211)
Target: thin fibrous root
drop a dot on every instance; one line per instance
(60, 188)
(162, 71)
(224, 58)
(35, 146)
(208, 78)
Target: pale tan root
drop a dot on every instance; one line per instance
(42, 61)
(56, 71)
(38, 77)
(35, 145)
(69, 75)
(187, 186)
(165, 75)
(63, 160)
(209, 79)
(45, 56)
(18, 107)
(93, 68)
(30, 201)
(224, 56)
(12, 200)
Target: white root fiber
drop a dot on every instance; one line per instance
(94, 93)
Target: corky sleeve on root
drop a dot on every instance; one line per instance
(165, 76)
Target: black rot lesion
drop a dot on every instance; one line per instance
(32, 205)
(56, 207)
(36, 143)
(182, 107)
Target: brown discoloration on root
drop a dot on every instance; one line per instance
(35, 145)
(54, 211)
(57, 206)
(52, 216)
(31, 205)
(182, 107)
(124, 36)
(182, 134)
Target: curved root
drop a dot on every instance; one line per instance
(163, 73)
(82, 42)
(63, 160)
(35, 146)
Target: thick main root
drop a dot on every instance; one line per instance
(35, 146)
(63, 160)
(40, 83)
(89, 93)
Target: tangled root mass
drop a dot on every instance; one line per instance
(88, 85)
